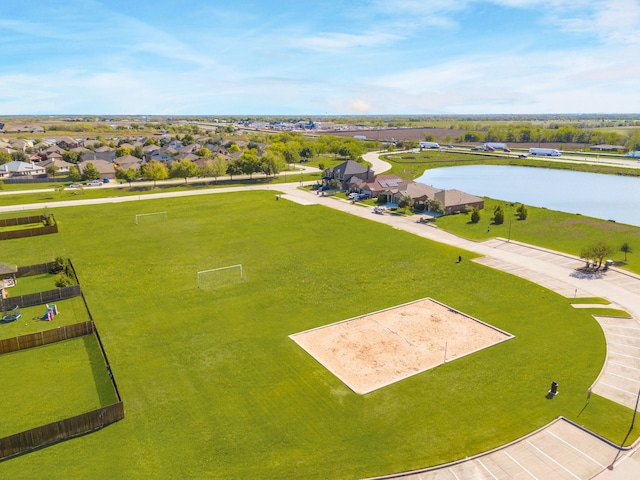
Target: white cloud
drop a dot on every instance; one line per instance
(343, 41)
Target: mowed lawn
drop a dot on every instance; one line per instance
(53, 382)
(213, 387)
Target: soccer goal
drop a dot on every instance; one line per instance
(151, 217)
(220, 277)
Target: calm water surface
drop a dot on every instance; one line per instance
(609, 197)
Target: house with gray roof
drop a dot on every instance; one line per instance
(346, 171)
(21, 169)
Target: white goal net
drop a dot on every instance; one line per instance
(151, 217)
(216, 278)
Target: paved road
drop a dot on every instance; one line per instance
(553, 270)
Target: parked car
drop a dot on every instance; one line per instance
(94, 183)
(75, 185)
(353, 196)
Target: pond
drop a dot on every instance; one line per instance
(609, 197)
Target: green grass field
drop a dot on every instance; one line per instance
(50, 383)
(213, 387)
(548, 229)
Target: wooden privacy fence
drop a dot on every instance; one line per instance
(12, 222)
(51, 433)
(29, 232)
(46, 337)
(36, 269)
(40, 298)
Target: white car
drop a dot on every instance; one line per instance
(94, 183)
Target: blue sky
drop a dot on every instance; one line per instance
(210, 57)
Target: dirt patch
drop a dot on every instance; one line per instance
(375, 350)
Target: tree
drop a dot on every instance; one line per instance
(435, 206)
(19, 156)
(291, 153)
(308, 152)
(90, 172)
(5, 157)
(334, 184)
(234, 168)
(183, 169)
(74, 173)
(138, 152)
(123, 151)
(203, 152)
(271, 164)
(155, 170)
(52, 170)
(405, 201)
(249, 163)
(475, 215)
(128, 175)
(626, 248)
(215, 167)
(233, 148)
(596, 252)
(498, 215)
(522, 212)
(71, 157)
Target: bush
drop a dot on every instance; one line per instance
(59, 264)
(475, 215)
(522, 212)
(498, 215)
(63, 280)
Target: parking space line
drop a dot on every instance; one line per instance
(487, 470)
(634, 380)
(576, 449)
(624, 365)
(624, 345)
(624, 355)
(616, 388)
(520, 465)
(556, 462)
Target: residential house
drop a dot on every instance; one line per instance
(63, 167)
(186, 156)
(128, 161)
(346, 171)
(21, 144)
(419, 193)
(67, 143)
(21, 169)
(159, 155)
(376, 185)
(108, 156)
(103, 149)
(455, 201)
(106, 168)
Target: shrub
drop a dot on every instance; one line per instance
(63, 280)
(475, 215)
(498, 215)
(59, 264)
(522, 212)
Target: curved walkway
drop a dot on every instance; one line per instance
(552, 270)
